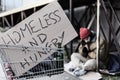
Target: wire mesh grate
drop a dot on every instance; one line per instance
(29, 62)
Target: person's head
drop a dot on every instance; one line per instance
(85, 34)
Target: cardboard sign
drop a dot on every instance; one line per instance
(45, 28)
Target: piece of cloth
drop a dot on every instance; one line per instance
(79, 72)
(114, 63)
(77, 58)
(76, 71)
(90, 65)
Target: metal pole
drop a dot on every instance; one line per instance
(3, 5)
(98, 33)
(91, 21)
(71, 19)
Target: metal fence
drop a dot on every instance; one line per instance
(21, 62)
